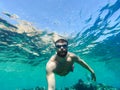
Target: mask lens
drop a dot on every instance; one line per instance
(64, 46)
(59, 46)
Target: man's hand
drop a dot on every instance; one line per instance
(93, 76)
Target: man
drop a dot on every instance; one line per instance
(62, 63)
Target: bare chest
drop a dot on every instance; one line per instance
(64, 66)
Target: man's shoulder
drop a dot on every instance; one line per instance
(72, 54)
(53, 57)
(51, 64)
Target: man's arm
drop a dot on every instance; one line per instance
(50, 76)
(85, 65)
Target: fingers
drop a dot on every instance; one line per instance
(93, 77)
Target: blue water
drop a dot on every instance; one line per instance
(23, 56)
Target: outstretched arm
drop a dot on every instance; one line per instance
(51, 81)
(50, 76)
(85, 65)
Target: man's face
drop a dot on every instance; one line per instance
(61, 48)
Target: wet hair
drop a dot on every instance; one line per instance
(61, 40)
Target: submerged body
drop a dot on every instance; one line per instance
(62, 66)
(62, 63)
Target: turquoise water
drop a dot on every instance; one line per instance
(23, 55)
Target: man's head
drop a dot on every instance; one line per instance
(61, 47)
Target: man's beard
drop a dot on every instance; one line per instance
(62, 53)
